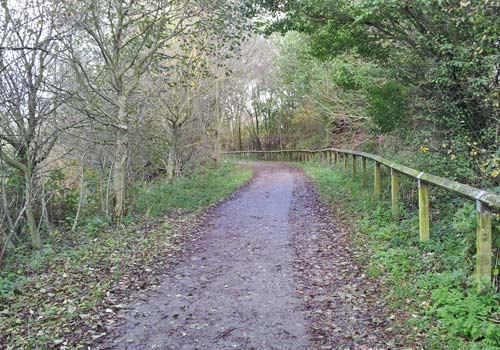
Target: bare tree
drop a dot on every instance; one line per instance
(123, 38)
(31, 78)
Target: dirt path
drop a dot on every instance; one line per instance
(260, 277)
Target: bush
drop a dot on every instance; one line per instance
(387, 105)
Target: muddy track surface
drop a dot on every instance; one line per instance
(269, 271)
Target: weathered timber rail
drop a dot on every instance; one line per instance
(487, 203)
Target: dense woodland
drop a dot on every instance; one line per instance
(103, 102)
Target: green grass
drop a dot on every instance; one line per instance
(65, 295)
(189, 193)
(430, 281)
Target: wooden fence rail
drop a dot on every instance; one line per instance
(486, 202)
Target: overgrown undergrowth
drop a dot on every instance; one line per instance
(66, 295)
(430, 281)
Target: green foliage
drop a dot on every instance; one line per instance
(463, 314)
(464, 220)
(387, 106)
(346, 75)
(94, 225)
(322, 96)
(63, 200)
(10, 283)
(429, 279)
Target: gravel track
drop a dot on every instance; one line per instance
(269, 270)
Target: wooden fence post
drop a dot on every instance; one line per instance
(483, 245)
(364, 179)
(376, 181)
(353, 166)
(486, 203)
(423, 210)
(395, 192)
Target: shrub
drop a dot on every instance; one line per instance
(387, 105)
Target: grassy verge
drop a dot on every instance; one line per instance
(189, 193)
(431, 282)
(67, 295)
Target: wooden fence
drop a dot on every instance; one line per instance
(486, 203)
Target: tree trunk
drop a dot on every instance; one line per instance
(170, 163)
(121, 158)
(172, 153)
(217, 149)
(82, 192)
(119, 173)
(30, 216)
(257, 136)
(240, 143)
